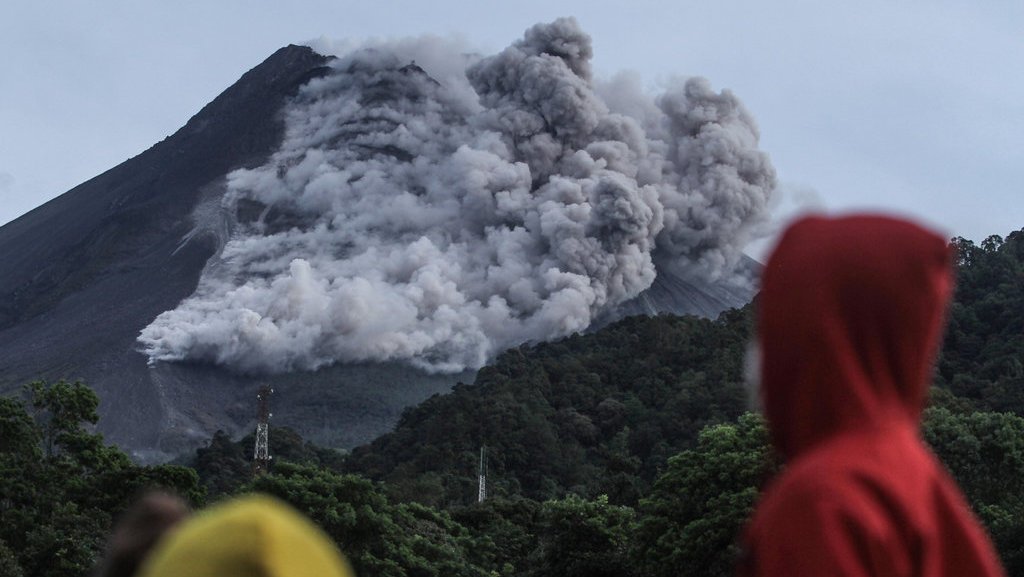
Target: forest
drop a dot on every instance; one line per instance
(626, 451)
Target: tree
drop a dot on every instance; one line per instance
(67, 541)
(222, 465)
(378, 537)
(985, 454)
(982, 354)
(504, 533)
(580, 538)
(60, 485)
(690, 520)
(61, 409)
(9, 566)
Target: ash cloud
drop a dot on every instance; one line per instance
(442, 211)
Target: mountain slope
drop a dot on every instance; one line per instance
(82, 275)
(139, 209)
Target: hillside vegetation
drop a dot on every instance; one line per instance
(590, 415)
(983, 354)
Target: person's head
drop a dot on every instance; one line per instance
(850, 314)
(137, 530)
(252, 536)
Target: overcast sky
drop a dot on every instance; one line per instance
(908, 106)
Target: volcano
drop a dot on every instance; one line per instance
(363, 231)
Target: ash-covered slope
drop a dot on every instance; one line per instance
(124, 214)
(82, 274)
(364, 232)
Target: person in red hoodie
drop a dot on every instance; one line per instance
(850, 318)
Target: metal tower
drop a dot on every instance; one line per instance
(261, 457)
(482, 491)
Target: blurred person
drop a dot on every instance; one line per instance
(251, 536)
(138, 529)
(850, 316)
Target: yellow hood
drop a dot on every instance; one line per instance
(253, 536)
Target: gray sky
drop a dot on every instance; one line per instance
(908, 106)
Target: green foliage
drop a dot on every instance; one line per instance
(592, 414)
(19, 435)
(504, 532)
(66, 542)
(580, 538)
(378, 537)
(983, 354)
(985, 454)
(9, 566)
(287, 445)
(61, 485)
(224, 465)
(61, 410)
(689, 522)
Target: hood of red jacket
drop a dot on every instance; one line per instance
(849, 321)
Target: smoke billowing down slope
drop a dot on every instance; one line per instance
(434, 207)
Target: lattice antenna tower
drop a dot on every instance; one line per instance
(261, 456)
(482, 490)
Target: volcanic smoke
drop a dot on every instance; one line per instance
(436, 207)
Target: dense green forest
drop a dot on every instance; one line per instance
(627, 451)
(983, 354)
(595, 414)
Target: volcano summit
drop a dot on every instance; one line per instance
(363, 230)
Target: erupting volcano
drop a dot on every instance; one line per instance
(378, 223)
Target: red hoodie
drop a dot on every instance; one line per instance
(850, 316)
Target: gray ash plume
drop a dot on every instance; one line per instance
(442, 211)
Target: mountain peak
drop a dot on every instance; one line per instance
(366, 232)
(83, 273)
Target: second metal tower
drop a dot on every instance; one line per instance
(261, 456)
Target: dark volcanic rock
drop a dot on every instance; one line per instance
(132, 214)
